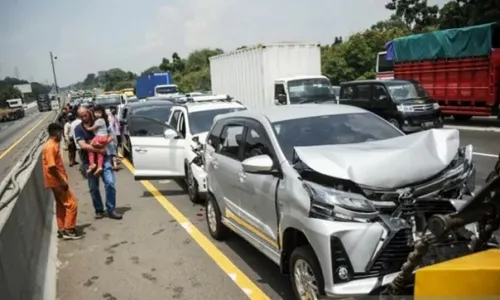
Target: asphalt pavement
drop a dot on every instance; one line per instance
(162, 248)
(16, 137)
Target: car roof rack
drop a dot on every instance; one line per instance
(207, 98)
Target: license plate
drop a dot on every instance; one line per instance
(427, 124)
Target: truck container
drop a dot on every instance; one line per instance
(459, 68)
(150, 85)
(266, 75)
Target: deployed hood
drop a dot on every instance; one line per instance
(386, 164)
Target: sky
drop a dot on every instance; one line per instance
(87, 36)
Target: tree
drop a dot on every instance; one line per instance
(90, 80)
(460, 13)
(416, 14)
(8, 92)
(151, 70)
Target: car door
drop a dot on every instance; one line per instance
(358, 95)
(154, 156)
(258, 191)
(381, 102)
(224, 165)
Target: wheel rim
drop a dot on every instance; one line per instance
(212, 220)
(305, 280)
(190, 184)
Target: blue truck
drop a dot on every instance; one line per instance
(155, 84)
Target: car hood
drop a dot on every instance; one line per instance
(386, 164)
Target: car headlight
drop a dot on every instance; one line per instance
(329, 203)
(435, 106)
(468, 153)
(405, 108)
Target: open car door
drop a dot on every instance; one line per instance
(155, 155)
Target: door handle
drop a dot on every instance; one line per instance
(141, 150)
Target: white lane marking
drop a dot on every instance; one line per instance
(485, 154)
(473, 128)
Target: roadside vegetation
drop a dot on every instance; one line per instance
(342, 60)
(8, 91)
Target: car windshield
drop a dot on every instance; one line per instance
(166, 90)
(107, 102)
(331, 130)
(406, 91)
(310, 90)
(155, 116)
(201, 121)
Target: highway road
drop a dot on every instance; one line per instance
(17, 136)
(162, 248)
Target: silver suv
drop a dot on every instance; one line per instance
(333, 194)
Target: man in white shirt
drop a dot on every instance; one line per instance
(74, 124)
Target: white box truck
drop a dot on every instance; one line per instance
(286, 73)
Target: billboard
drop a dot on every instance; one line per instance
(24, 88)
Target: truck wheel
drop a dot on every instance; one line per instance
(192, 186)
(217, 230)
(461, 118)
(305, 274)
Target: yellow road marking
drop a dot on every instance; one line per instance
(240, 279)
(22, 138)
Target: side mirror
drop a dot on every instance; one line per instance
(170, 134)
(382, 97)
(258, 164)
(282, 99)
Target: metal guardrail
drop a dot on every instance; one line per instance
(11, 183)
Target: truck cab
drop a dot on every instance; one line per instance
(303, 89)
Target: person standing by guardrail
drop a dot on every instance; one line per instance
(83, 139)
(68, 137)
(56, 179)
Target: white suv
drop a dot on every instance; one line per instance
(172, 154)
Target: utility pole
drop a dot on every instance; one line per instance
(52, 57)
(16, 72)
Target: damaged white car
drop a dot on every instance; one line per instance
(333, 194)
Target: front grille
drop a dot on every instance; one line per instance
(427, 207)
(392, 255)
(423, 107)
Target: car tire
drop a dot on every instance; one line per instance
(303, 259)
(395, 123)
(192, 186)
(216, 228)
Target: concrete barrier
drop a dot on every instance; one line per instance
(28, 244)
(26, 227)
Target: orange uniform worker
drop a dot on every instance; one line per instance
(56, 179)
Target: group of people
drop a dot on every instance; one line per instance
(93, 134)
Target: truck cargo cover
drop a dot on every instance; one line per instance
(385, 164)
(451, 43)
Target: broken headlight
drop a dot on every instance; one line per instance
(329, 203)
